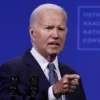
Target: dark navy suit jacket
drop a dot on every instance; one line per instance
(25, 65)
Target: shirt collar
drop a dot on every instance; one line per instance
(41, 60)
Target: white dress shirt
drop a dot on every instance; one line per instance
(43, 64)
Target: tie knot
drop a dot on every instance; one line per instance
(51, 66)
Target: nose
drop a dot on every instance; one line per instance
(55, 34)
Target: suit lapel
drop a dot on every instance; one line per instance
(62, 69)
(34, 67)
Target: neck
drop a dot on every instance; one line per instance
(51, 58)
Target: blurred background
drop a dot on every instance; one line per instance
(82, 47)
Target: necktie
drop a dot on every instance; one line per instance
(53, 78)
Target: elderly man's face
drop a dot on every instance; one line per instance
(49, 33)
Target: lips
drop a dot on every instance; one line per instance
(54, 43)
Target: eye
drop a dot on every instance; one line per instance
(49, 27)
(61, 29)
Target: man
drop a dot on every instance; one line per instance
(48, 32)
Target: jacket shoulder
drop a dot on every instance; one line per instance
(13, 61)
(12, 64)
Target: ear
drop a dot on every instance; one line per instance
(32, 33)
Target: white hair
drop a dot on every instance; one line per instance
(43, 7)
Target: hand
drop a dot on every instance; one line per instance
(68, 83)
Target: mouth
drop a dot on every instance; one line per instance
(54, 44)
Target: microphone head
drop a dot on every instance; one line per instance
(15, 78)
(34, 79)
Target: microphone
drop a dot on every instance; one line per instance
(13, 89)
(34, 88)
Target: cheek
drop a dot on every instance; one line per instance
(63, 39)
(38, 38)
(41, 37)
(42, 42)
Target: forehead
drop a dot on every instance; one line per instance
(51, 16)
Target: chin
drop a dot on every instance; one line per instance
(54, 53)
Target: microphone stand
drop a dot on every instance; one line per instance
(13, 88)
(32, 90)
(34, 87)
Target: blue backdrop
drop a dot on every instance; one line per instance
(82, 46)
